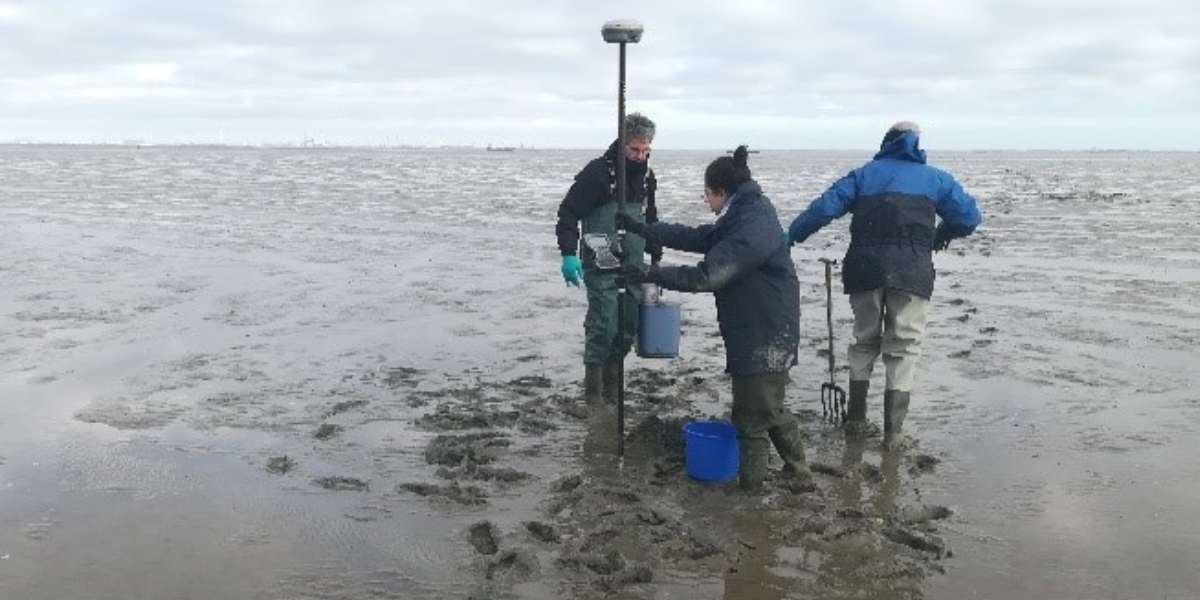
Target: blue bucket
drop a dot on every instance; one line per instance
(710, 450)
(659, 324)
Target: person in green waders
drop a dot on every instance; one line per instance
(591, 202)
(748, 270)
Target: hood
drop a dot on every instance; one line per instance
(905, 147)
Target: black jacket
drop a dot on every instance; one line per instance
(748, 269)
(593, 188)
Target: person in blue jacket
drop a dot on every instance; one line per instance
(748, 269)
(896, 199)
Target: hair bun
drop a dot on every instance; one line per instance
(741, 155)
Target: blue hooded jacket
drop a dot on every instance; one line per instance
(895, 199)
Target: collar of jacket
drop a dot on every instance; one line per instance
(747, 188)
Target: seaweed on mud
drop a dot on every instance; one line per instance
(455, 450)
(449, 417)
(532, 381)
(467, 495)
(352, 484)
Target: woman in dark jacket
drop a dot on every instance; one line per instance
(748, 269)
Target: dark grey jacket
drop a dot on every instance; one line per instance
(748, 269)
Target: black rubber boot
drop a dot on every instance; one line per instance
(856, 411)
(593, 383)
(610, 381)
(895, 408)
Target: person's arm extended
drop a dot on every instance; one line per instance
(749, 243)
(832, 204)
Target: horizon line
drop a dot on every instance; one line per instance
(138, 144)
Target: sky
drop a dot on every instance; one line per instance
(782, 74)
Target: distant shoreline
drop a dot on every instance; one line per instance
(518, 150)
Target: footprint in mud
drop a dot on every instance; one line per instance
(543, 532)
(463, 449)
(828, 470)
(916, 540)
(326, 431)
(339, 483)
(483, 537)
(344, 406)
(507, 475)
(915, 515)
(923, 463)
(394, 377)
(513, 566)
(280, 465)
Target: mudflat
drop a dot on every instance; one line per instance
(353, 373)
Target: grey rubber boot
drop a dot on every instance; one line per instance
(895, 408)
(752, 463)
(856, 411)
(593, 383)
(610, 381)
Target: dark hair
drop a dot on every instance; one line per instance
(728, 172)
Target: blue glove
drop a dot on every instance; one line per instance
(572, 270)
(793, 234)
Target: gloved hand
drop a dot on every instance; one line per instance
(793, 235)
(572, 270)
(941, 239)
(630, 224)
(639, 274)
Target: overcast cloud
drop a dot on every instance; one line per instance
(977, 74)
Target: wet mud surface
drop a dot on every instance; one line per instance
(260, 370)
